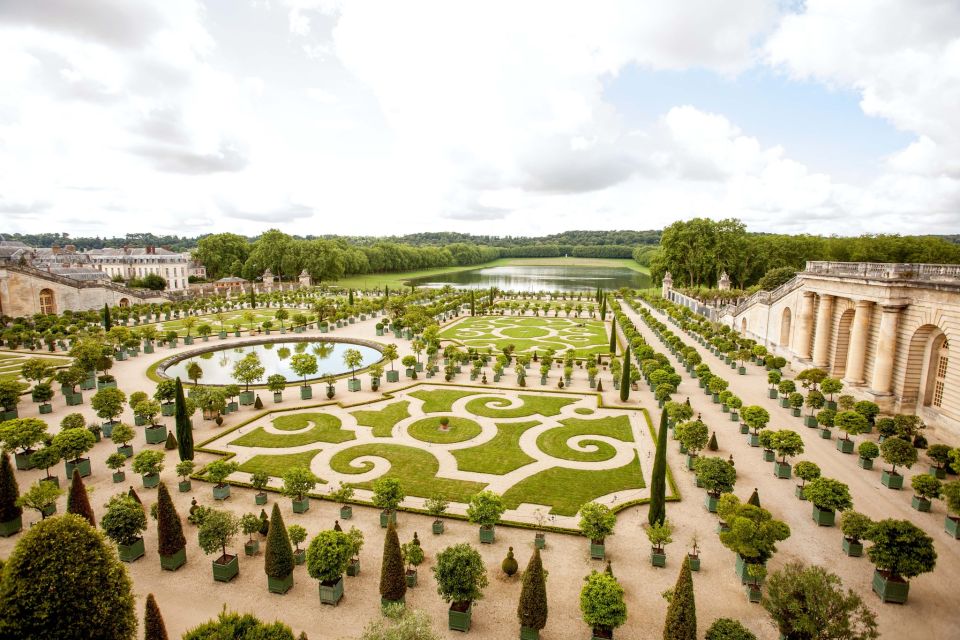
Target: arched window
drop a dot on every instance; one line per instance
(124, 302)
(940, 357)
(48, 303)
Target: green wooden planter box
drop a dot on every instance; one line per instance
(81, 464)
(845, 445)
(690, 460)
(277, 396)
(459, 620)
(864, 463)
(744, 429)
(597, 551)
(139, 421)
(772, 394)
(891, 480)
(119, 476)
(852, 548)
(354, 384)
(221, 492)
(741, 569)
(710, 502)
(734, 416)
(168, 409)
(346, 512)
(388, 516)
(301, 506)
(920, 504)
(810, 422)
(331, 593)
(393, 376)
(279, 585)
(74, 399)
(126, 450)
(826, 434)
(353, 568)
(24, 461)
(785, 402)
(46, 407)
(184, 486)
(693, 561)
(895, 591)
(49, 510)
(781, 469)
(131, 552)
(246, 398)
(226, 571)
(11, 527)
(798, 491)
(299, 556)
(260, 498)
(938, 472)
(306, 393)
(529, 633)
(824, 517)
(151, 480)
(540, 541)
(795, 412)
(251, 547)
(437, 527)
(156, 434)
(768, 455)
(754, 593)
(753, 440)
(952, 526)
(487, 535)
(174, 562)
(658, 558)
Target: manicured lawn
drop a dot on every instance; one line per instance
(500, 455)
(527, 335)
(297, 421)
(415, 468)
(277, 465)
(440, 400)
(459, 430)
(554, 441)
(532, 405)
(326, 429)
(383, 420)
(565, 490)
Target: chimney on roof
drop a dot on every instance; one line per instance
(55, 249)
(151, 250)
(70, 248)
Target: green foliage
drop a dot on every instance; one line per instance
(716, 475)
(153, 625)
(233, 626)
(926, 486)
(108, 403)
(276, 383)
(148, 462)
(170, 538)
(297, 534)
(62, 566)
(951, 494)
(184, 428)
(73, 443)
(342, 494)
(828, 494)
(532, 609)
(901, 548)
(460, 574)
(393, 583)
(122, 434)
(9, 491)
(39, 496)
(436, 506)
(660, 534)
(49, 456)
(124, 519)
(401, 624)
(78, 502)
(601, 602)
(218, 471)
(278, 555)
(248, 370)
(851, 423)
(217, 530)
(625, 376)
(304, 364)
(22, 433)
(509, 565)
(810, 602)
(681, 622)
(387, 493)
(658, 477)
(753, 532)
(485, 509)
(896, 451)
(694, 435)
(728, 629)
(755, 417)
(259, 480)
(185, 468)
(328, 555)
(73, 421)
(597, 521)
(786, 443)
(868, 450)
(297, 482)
(412, 553)
(855, 525)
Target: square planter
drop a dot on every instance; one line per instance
(11, 527)
(951, 525)
(151, 480)
(277, 396)
(46, 407)
(741, 569)
(824, 517)
(279, 585)
(226, 568)
(710, 502)
(781, 469)
(810, 422)
(126, 450)
(299, 556)
(744, 429)
(795, 412)
(938, 472)
(845, 445)
(754, 594)
(353, 384)
(540, 541)
(690, 460)
(772, 394)
(131, 552)
(487, 535)
(864, 463)
(184, 486)
(353, 569)
(246, 398)
(221, 492)
(768, 455)
(393, 376)
(753, 440)
(388, 516)
(920, 504)
(437, 527)
(306, 393)
(658, 558)
(852, 548)
(301, 506)
(597, 550)
(119, 476)
(891, 480)
(895, 591)
(785, 402)
(693, 562)
(156, 434)
(346, 512)
(459, 620)
(826, 434)
(251, 547)
(411, 576)
(81, 464)
(139, 421)
(174, 562)
(260, 498)
(24, 461)
(798, 491)
(168, 409)
(74, 399)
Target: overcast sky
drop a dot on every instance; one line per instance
(380, 117)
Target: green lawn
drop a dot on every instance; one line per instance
(532, 405)
(500, 455)
(554, 441)
(458, 430)
(527, 335)
(277, 465)
(326, 429)
(415, 468)
(440, 400)
(384, 419)
(230, 318)
(565, 490)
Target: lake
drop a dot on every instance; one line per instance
(539, 278)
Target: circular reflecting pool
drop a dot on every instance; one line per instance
(217, 364)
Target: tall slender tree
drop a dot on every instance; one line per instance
(613, 336)
(681, 623)
(473, 304)
(532, 609)
(393, 581)
(278, 556)
(78, 501)
(658, 477)
(625, 376)
(170, 538)
(9, 492)
(184, 428)
(107, 322)
(603, 307)
(153, 626)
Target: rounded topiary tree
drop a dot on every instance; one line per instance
(297, 483)
(597, 522)
(900, 551)
(787, 444)
(108, 403)
(896, 451)
(827, 496)
(34, 594)
(461, 576)
(752, 532)
(485, 509)
(327, 557)
(728, 629)
(278, 556)
(124, 521)
(387, 494)
(717, 476)
(72, 444)
(855, 526)
(602, 604)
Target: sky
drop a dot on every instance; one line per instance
(378, 117)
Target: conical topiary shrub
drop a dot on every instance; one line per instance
(78, 501)
(532, 609)
(171, 543)
(264, 523)
(171, 442)
(278, 556)
(754, 498)
(681, 623)
(393, 580)
(10, 513)
(133, 494)
(153, 626)
(509, 564)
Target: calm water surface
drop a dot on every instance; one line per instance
(534, 278)
(275, 356)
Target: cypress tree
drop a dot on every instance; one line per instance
(681, 623)
(107, 322)
(278, 556)
(603, 307)
(153, 627)
(613, 336)
(532, 609)
(184, 428)
(170, 539)
(78, 501)
(473, 302)
(658, 477)
(493, 295)
(393, 580)
(350, 297)
(625, 376)
(9, 492)
(386, 292)
(253, 298)
(754, 498)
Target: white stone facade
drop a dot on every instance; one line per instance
(130, 263)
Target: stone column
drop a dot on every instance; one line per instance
(821, 342)
(882, 382)
(857, 350)
(805, 326)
